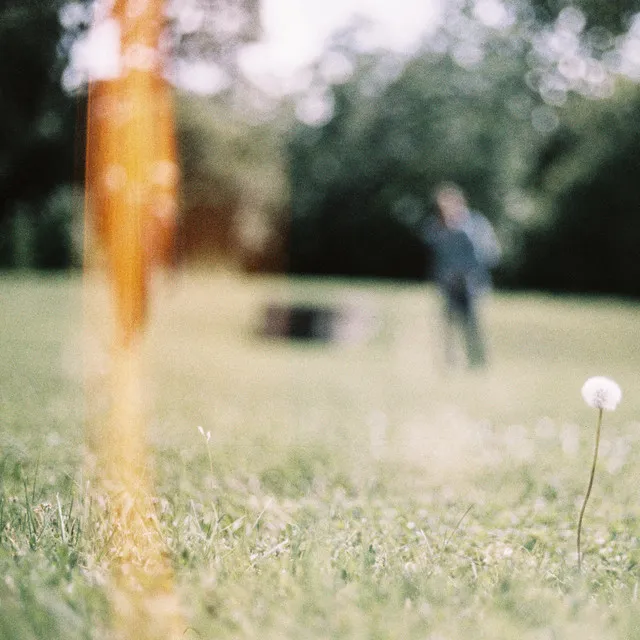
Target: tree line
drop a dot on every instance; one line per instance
(537, 118)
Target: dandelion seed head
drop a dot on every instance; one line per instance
(601, 393)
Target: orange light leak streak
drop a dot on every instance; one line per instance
(130, 216)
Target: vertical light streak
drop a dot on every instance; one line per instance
(130, 216)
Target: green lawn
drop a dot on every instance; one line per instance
(360, 490)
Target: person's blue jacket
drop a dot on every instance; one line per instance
(463, 255)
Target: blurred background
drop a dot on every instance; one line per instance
(311, 134)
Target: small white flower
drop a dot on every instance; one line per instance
(601, 393)
(207, 435)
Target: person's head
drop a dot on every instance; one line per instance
(451, 204)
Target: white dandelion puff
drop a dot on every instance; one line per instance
(601, 393)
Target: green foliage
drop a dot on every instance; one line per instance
(613, 16)
(586, 183)
(57, 242)
(37, 138)
(226, 157)
(564, 198)
(362, 184)
(37, 120)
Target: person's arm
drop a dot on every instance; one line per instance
(486, 241)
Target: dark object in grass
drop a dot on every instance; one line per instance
(299, 322)
(348, 324)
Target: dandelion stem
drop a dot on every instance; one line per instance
(210, 460)
(586, 498)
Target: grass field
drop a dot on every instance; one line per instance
(359, 490)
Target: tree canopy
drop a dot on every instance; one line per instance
(37, 119)
(537, 124)
(531, 105)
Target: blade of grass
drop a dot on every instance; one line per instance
(453, 531)
(35, 478)
(30, 523)
(63, 533)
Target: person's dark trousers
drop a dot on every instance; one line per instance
(461, 315)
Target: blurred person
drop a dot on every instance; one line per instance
(464, 249)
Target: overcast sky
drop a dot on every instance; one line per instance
(295, 31)
(294, 35)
